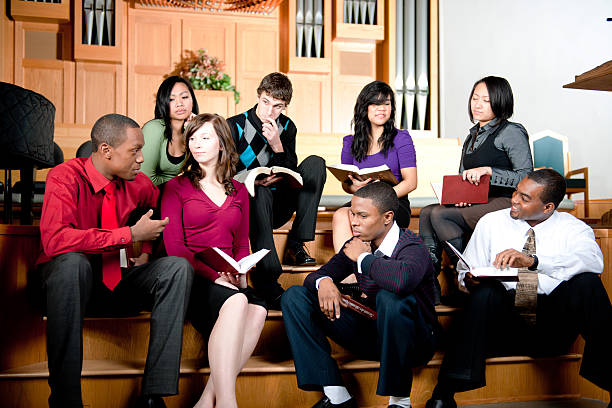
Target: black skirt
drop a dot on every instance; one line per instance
(206, 301)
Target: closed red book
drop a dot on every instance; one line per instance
(360, 308)
(456, 190)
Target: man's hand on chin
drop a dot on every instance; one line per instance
(356, 247)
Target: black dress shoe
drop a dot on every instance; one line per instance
(150, 401)
(298, 257)
(436, 403)
(326, 403)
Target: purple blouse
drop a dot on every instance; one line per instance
(196, 222)
(400, 156)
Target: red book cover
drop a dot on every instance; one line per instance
(360, 308)
(456, 190)
(216, 261)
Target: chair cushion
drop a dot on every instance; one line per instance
(575, 183)
(26, 127)
(548, 152)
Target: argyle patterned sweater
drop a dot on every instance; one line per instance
(253, 147)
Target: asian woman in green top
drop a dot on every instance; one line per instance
(164, 149)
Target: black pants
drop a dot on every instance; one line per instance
(271, 208)
(74, 289)
(490, 326)
(399, 338)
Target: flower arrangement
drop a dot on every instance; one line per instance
(205, 72)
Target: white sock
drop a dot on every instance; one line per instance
(403, 402)
(337, 394)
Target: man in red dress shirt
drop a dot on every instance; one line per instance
(85, 269)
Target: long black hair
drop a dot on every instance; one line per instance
(374, 93)
(162, 101)
(500, 97)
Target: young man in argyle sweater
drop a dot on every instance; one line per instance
(265, 137)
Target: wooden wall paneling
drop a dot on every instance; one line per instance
(154, 44)
(7, 45)
(99, 89)
(53, 78)
(256, 56)
(354, 66)
(219, 102)
(23, 340)
(385, 50)
(217, 35)
(41, 11)
(310, 106)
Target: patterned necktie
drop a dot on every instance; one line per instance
(111, 271)
(526, 298)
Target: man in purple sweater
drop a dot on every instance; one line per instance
(395, 276)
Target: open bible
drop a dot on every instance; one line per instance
(222, 262)
(248, 177)
(454, 190)
(487, 272)
(382, 172)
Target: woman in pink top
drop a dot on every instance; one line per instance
(207, 208)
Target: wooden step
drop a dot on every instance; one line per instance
(255, 365)
(534, 379)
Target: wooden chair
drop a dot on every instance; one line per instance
(550, 150)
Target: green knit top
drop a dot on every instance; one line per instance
(156, 164)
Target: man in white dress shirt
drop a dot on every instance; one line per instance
(571, 299)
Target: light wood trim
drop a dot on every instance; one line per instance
(107, 53)
(348, 31)
(291, 63)
(41, 12)
(7, 45)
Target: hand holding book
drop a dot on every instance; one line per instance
(455, 190)
(360, 308)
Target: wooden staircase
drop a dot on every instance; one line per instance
(115, 351)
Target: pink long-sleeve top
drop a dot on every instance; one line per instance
(196, 222)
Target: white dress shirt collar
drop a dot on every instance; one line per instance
(390, 241)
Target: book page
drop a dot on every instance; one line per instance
(283, 170)
(367, 170)
(493, 272)
(246, 263)
(437, 189)
(347, 167)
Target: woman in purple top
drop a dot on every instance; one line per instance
(207, 208)
(376, 141)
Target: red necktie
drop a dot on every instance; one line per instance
(111, 271)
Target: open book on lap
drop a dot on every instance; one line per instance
(222, 262)
(248, 177)
(382, 172)
(454, 190)
(487, 272)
